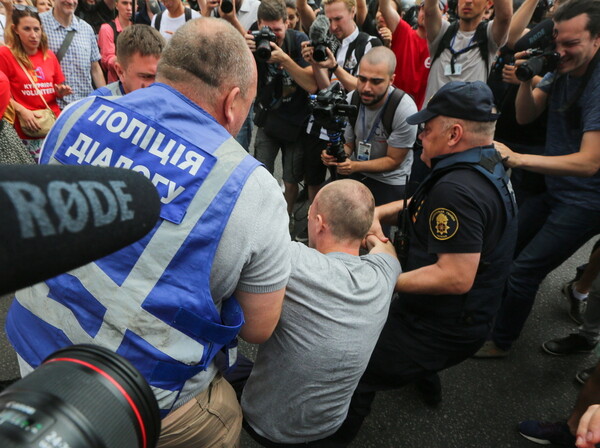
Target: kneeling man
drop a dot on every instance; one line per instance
(335, 306)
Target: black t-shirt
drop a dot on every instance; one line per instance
(277, 90)
(461, 213)
(96, 14)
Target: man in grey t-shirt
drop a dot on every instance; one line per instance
(378, 157)
(335, 306)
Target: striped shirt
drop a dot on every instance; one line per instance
(77, 62)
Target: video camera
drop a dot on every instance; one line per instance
(263, 39)
(540, 62)
(331, 111)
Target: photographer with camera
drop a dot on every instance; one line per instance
(281, 105)
(554, 224)
(240, 13)
(378, 141)
(210, 269)
(340, 64)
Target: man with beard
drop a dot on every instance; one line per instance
(379, 153)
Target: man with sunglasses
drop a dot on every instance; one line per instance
(378, 157)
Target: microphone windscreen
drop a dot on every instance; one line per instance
(57, 218)
(319, 29)
(540, 36)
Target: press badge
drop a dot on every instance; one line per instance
(448, 70)
(364, 151)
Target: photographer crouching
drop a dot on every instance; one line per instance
(281, 106)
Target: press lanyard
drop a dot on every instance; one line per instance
(455, 54)
(375, 123)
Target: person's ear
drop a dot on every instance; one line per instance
(119, 70)
(455, 134)
(232, 107)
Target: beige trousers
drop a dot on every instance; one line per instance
(211, 419)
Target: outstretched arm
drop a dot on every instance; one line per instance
(501, 22)
(433, 19)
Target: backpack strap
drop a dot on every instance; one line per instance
(356, 47)
(289, 46)
(390, 109)
(113, 25)
(157, 21)
(480, 41)
(188, 14)
(354, 101)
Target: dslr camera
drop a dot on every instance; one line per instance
(319, 50)
(263, 39)
(540, 62)
(331, 111)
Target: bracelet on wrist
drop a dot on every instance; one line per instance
(335, 67)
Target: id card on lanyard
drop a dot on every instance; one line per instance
(363, 152)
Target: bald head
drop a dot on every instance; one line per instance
(207, 57)
(347, 206)
(381, 55)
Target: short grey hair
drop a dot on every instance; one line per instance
(208, 56)
(348, 206)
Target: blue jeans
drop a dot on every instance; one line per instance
(549, 233)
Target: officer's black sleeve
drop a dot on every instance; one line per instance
(460, 208)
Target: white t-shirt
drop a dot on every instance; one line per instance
(169, 25)
(2, 25)
(472, 66)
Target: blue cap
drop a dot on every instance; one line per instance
(473, 101)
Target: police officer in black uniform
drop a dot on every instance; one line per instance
(461, 227)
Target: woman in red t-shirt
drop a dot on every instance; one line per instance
(30, 48)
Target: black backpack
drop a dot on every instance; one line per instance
(389, 111)
(116, 33)
(188, 17)
(480, 40)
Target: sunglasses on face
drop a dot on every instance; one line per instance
(20, 7)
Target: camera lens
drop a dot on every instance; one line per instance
(263, 50)
(81, 397)
(226, 6)
(320, 53)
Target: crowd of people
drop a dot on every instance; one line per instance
(466, 133)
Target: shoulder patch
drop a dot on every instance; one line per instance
(443, 224)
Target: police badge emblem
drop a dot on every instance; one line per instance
(443, 224)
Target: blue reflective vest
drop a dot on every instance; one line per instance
(481, 303)
(151, 301)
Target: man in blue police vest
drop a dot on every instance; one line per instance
(461, 227)
(171, 301)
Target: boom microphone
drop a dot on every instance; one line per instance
(540, 36)
(319, 29)
(57, 218)
(319, 38)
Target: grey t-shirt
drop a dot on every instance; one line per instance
(472, 66)
(305, 374)
(403, 135)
